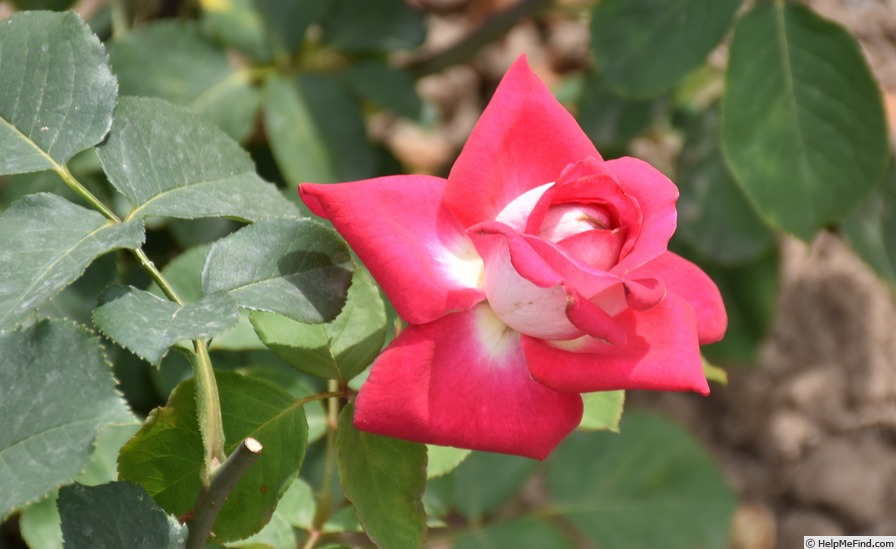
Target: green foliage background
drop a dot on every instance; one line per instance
(123, 146)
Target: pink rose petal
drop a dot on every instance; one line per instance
(598, 249)
(535, 271)
(522, 289)
(682, 277)
(661, 353)
(462, 381)
(523, 140)
(656, 196)
(413, 247)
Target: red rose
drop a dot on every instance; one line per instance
(535, 272)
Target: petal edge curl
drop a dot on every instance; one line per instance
(656, 196)
(682, 277)
(661, 354)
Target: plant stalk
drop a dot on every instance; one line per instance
(325, 497)
(223, 480)
(75, 185)
(207, 400)
(208, 404)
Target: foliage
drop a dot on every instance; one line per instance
(123, 150)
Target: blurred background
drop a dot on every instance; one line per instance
(804, 431)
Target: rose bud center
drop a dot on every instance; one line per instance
(586, 232)
(567, 220)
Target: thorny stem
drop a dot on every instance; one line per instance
(207, 399)
(218, 480)
(223, 480)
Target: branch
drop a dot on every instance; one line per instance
(207, 400)
(223, 480)
(491, 29)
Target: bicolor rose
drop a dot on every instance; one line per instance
(537, 271)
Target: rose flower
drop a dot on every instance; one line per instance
(537, 271)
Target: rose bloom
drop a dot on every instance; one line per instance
(537, 271)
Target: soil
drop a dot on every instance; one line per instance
(807, 436)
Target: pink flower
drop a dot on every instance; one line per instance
(535, 272)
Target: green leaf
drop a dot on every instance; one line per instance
(644, 47)
(340, 349)
(170, 59)
(514, 533)
(384, 478)
(277, 534)
(165, 456)
(295, 139)
(58, 92)
(39, 523)
(294, 267)
(47, 244)
(148, 325)
(343, 520)
(16, 187)
(241, 337)
(184, 273)
(56, 393)
(651, 486)
(714, 373)
(438, 499)
(169, 162)
(750, 293)
(360, 25)
(485, 481)
(611, 121)
(871, 229)
(237, 23)
(390, 88)
(118, 514)
(316, 130)
(603, 411)
(441, 460)
(298, 387)
(196, 232)
(803, 125)
(714, 217)
(287, 20)
(78, 299)
(295, 509)
(299, 504)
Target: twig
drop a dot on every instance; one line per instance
(207, 400)
(324, 497)
(491, 29)
(223, 480)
